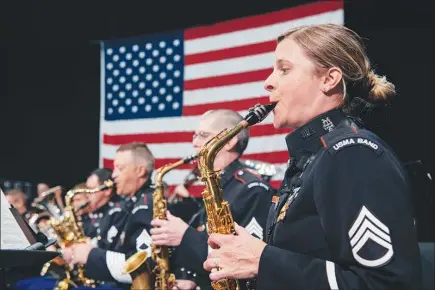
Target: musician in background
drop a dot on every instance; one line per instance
(41, 188)
(106, 212)
(17, 199)
(248, 194)
(133, 166)
(81, 201)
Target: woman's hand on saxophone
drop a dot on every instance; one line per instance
(168, 232)
(237, 256)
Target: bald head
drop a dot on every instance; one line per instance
(218, 120)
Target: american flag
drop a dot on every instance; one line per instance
(155, 87)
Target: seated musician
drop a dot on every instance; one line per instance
(106, 210)
(17, 199)
(133, 166)
(248, 194)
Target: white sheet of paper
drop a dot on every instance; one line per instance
(11, 236)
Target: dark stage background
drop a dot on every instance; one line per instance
(50, 79)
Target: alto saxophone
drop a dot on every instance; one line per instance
(70, 231)
(219, 217)
(164, 279)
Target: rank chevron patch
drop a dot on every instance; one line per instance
(113, 231)
(254, 228)
(368, 229)
(144, 239)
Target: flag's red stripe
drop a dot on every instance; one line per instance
(149, 138)
(227, 53)
(263, 19)
(226, 80)
(276, 157)
(235, 105)
(182, 137)
(196, 190)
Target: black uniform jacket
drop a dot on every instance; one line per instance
(344, 218)
(132, 234)
(102, 225)
(249, 197)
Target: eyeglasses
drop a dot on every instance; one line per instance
(201, 134)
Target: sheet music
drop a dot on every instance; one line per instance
(12, 237)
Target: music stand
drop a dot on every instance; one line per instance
(18, 264)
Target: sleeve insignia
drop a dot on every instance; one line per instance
(370, 240)
(113, 231)
(254, 228)
(334, 149)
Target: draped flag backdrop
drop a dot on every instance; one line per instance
(155, 87)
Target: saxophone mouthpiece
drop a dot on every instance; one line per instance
(190, 158)
(106, 185)
(83, 205)
(258, 113)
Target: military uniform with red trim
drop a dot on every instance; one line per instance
(249, 197)
(103, 224)
(132, 235)
(343, 217)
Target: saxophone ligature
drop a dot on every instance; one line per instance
(69, 231)
(164, 279)
(219, 217)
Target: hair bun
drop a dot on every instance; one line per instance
(380, 89)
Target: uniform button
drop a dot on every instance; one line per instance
(240, 172)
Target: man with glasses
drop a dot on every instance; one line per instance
(248, 194)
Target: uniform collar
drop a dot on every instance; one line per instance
(306, 141)
(139, 192)
(229, 171)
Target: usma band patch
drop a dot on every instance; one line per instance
(355, 141)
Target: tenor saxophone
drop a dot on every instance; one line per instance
(219, 217)
(164, 279)
(69, 230)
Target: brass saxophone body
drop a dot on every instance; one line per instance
(164, 279)
(219, 217)
(69, 231)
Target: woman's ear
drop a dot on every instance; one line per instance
(331, 80)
